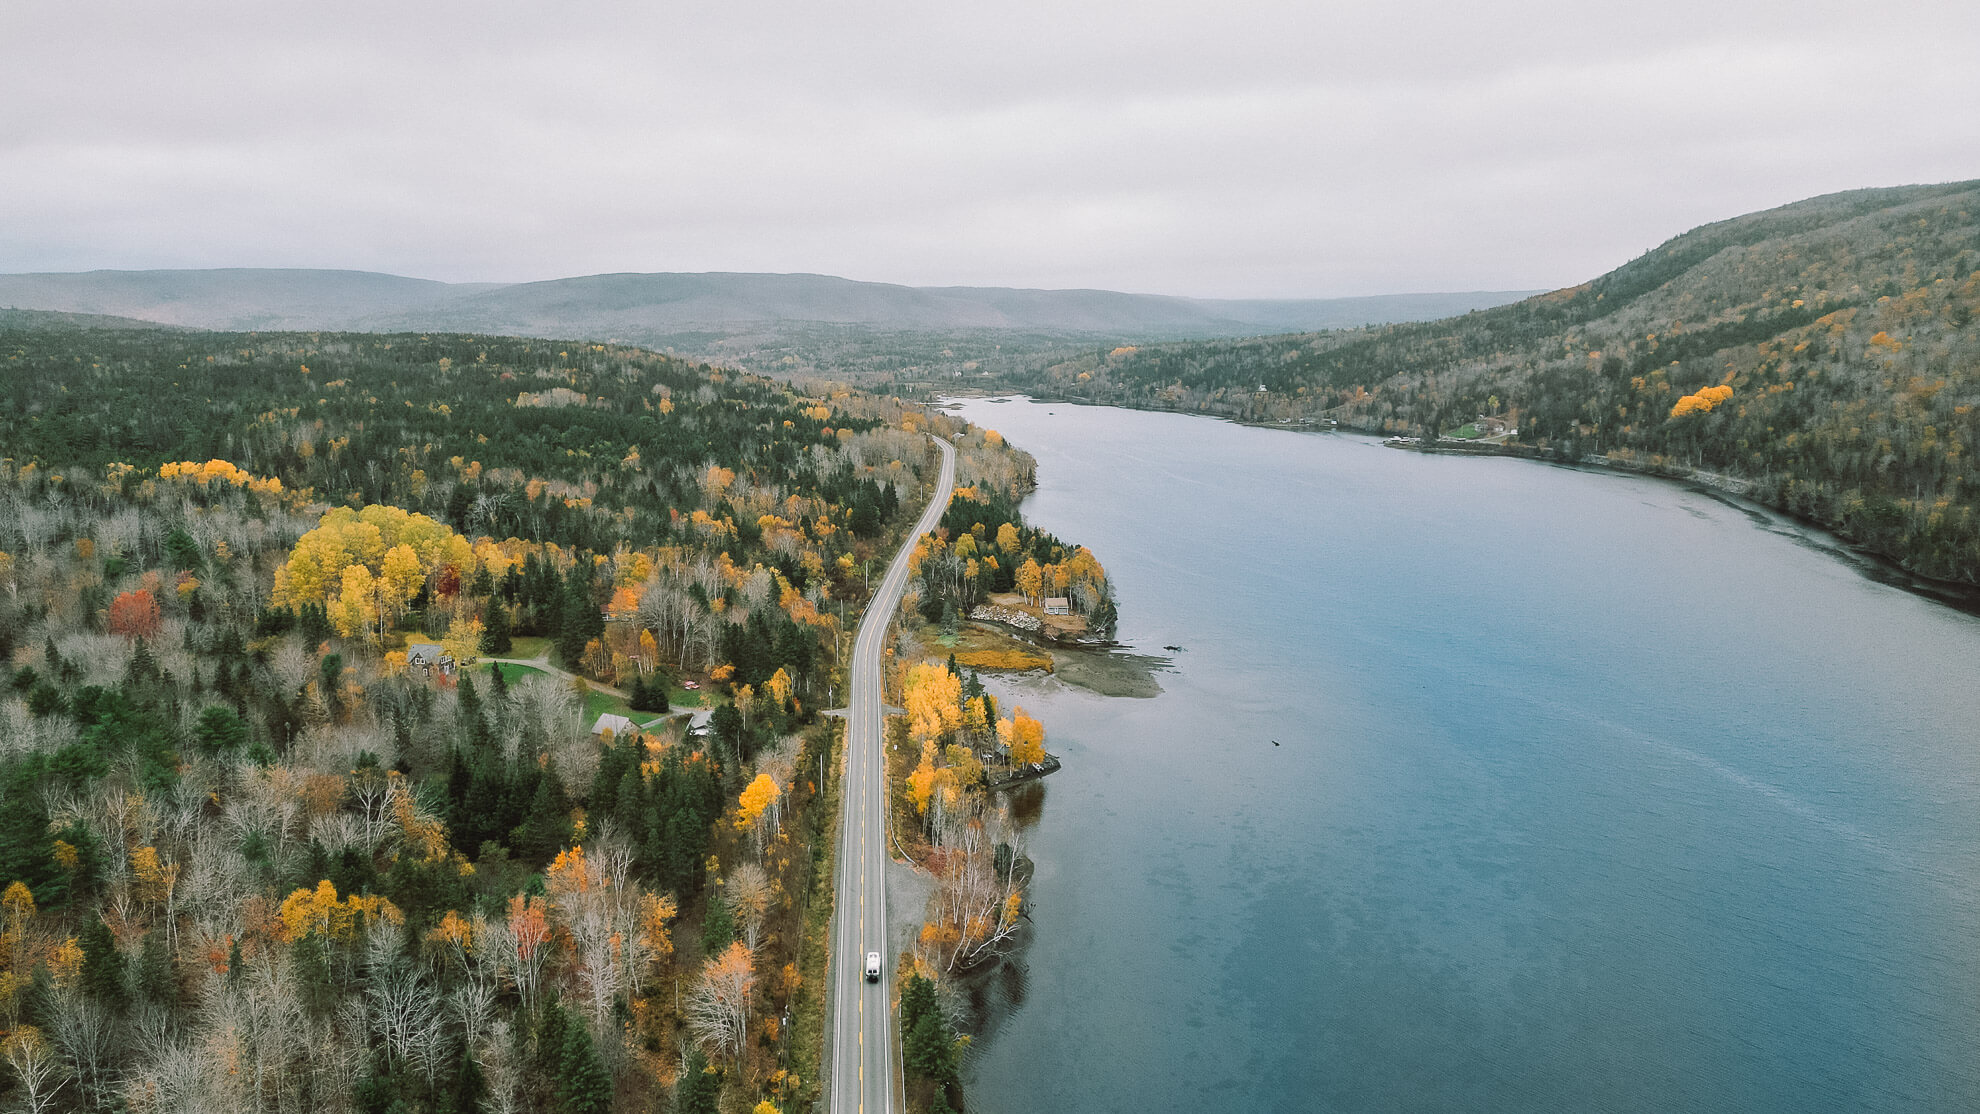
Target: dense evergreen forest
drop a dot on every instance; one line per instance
(274, 835)
(1822, 355)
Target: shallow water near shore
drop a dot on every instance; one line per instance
(1482, 784)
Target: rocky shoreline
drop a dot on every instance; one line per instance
(1032, 625)
(1008, 616)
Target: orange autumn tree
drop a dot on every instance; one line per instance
(135, 614)
(624, 605)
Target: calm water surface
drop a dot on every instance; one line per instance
(1591, 793)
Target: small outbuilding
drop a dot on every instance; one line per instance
(1058, 605)
(619, 726)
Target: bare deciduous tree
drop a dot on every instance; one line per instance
(87, 1035)
(747, 891)
(405, 1013)
(38, 1069)
(718, 1009)
(500, 1067)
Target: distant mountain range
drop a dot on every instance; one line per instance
(655, 308)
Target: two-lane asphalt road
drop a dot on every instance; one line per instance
(864, 1065)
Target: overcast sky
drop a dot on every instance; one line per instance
(1247, 148)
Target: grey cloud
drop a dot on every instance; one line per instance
(1245, 149)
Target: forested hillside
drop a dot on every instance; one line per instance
(274, 836)
(1834, 337)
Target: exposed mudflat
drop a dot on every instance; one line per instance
(1111, 672)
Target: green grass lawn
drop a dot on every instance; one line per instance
(513, 673)
(1466, 432)
(597, 703)
(525, 647)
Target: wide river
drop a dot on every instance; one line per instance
(1481, 784)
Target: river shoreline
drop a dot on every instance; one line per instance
(1885, 568)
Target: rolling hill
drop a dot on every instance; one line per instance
(1834, 337)
(233, 299)
(661, 308)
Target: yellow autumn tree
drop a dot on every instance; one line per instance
(155, 880)
(454, 935)
(18, 904)
(345, 537)
(966, 768)
(1030, 580)
(400, 579)
(423, 833)
(1023, 736)
(933, 698)
(463, 642)
(318, 912)
(217, 470)
(491, 556)
(758, 796)
(756, 809)
(316, 565)
(779, 685)
(634, 570)
(65, 962)
(655, 911)
(1702, 402)
(929, 779)
(315, 912)
(355, 612)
